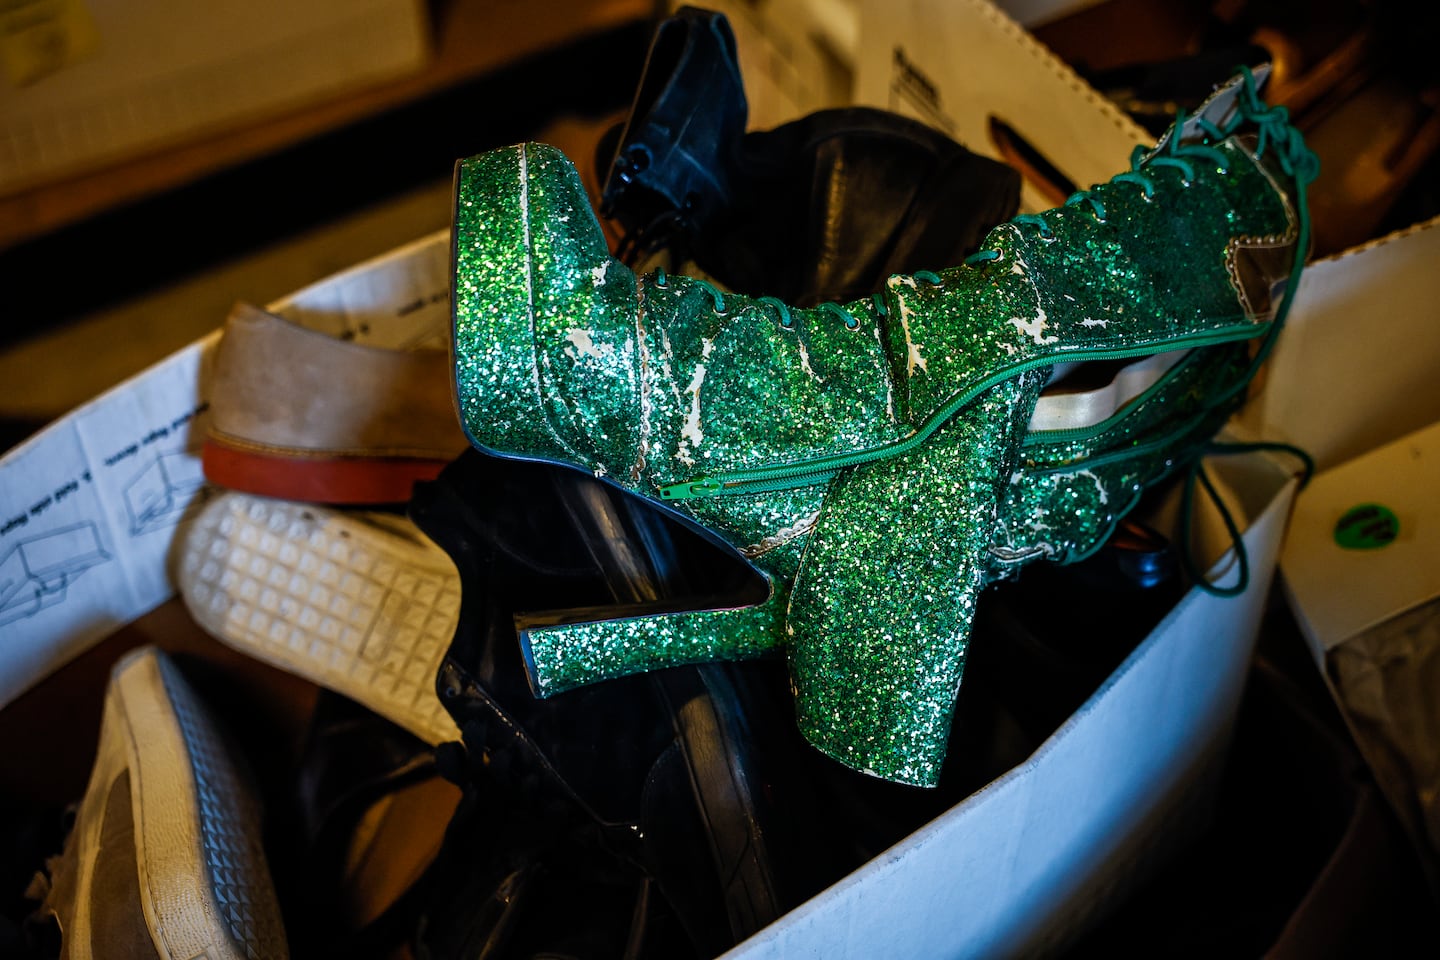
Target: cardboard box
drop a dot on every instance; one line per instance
(1355, 381)
(1024, 865)
(1024, 862)
(85, 82)
(1357, 366)
(1362, 547)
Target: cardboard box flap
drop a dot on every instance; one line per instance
(959, 64)
(1358, 364)
(1363, 544)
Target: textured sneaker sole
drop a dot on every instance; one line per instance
(361, 604)
(203, 882)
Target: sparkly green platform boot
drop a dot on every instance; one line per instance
(861, 454)
(1072, 485)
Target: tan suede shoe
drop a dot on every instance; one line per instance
(300, 415)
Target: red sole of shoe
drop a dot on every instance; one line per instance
(349, 480)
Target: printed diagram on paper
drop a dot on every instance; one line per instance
(36, 571)
(88, 511)
(169, 485)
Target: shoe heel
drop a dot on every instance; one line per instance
(563, 656)
(73, 884)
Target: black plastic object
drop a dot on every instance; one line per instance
(1048, 638)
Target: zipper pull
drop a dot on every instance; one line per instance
(689, 489)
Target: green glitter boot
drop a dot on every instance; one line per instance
(862, 455)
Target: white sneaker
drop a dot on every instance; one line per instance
(362, 604)
(166, 851)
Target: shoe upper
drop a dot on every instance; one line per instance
(675, 390)
(286, 389)
(873, 456)
(1072, 486)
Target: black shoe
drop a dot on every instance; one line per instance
(627, 818)
(369, 804)
(830, 205)
(669, 164)
(822, 208)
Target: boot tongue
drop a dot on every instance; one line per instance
(1220, 108)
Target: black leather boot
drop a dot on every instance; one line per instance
(822, 208)
(631, 818)
(669, 165)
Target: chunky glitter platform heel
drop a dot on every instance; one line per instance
(758, 421)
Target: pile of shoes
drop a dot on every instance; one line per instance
(680, 601)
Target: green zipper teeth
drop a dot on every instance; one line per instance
(807, 472)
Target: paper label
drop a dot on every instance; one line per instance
(909, 64)
(92, 507)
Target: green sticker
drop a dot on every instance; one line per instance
(1368, 526)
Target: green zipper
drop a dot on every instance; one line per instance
(804, 473)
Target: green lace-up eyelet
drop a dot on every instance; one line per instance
(782, 311)
(842, 314)
(717, 299)
(1097, 209)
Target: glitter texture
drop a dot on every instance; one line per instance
(871, 460)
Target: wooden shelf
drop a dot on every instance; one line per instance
(471, 38)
